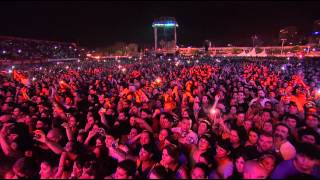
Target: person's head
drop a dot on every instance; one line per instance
(88, 170)
(45, 170)
(241, 96)
(261, 94)
(240, 117)
(5, 118)
(307, 157)
(239, 160)
(253, 136)
(163, 134)
(267, 127)
(282, 132)
(122, 116)
(268, 161)
(5, 107)
(24, 168)
(204, 127)
(309, 135)
(233, 110)
(134, 111)
(126, 170)
(73, 121)
(55, 135)
(170, 154)
(71, 146)
(100, 141)
(247, 124)
(77, 167)
(68, 100)
(166, 121)
(312, 121)
(205, 100)
(253, 170)
(110, 140)
(146, 153)
(291, 121)
(145, 113)
(16, 112)
(186, 124)
(204, 142)
(158, 172)
(146, 138)
(110, 112)
(238, 135)
(265, 142)
(266, 116)
(40, 124)
(272, 94)
(206, 158)
(286, 99)
(199, 171)
(293, 108)
(133, 132)
(223, 148)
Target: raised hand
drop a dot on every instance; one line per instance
(40, 136)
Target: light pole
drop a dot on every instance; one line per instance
(253, 39)
(155, 38)
(282, 45)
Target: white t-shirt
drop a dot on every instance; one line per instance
(261, 102)
(190, 138)
(287, 151)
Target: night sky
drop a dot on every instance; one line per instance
(99, 24)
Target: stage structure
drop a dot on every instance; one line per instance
(165, 33)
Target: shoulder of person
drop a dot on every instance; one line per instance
(286, 146)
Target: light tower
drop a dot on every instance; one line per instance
(165, 25)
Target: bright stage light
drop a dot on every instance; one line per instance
(213, 111)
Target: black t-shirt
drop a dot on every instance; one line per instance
(49, 156)
(235, 151)
(243, 107)
(106, 166)
(122, 129)
(252, 152)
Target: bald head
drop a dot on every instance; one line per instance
(253, 170)
(54, 135)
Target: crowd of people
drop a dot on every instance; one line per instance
(29, 49)
(155, 118)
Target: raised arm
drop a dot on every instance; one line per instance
(41, 137)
